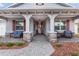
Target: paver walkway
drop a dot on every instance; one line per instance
(39, 47)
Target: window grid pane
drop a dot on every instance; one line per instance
(60, 25)
(19, 25)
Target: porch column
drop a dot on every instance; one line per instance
(76, 23)
(52, 34)
(27, 33)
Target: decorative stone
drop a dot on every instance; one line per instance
(27, 37)
(52, 37)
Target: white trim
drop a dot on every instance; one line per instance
(70, 5)
(11, 5)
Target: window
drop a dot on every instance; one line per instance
(57, 25)
(60, 25)
(19, 25)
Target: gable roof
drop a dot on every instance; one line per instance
(35, 6)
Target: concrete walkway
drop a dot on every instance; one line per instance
(39, 47)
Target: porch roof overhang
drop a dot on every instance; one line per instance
(63, 12)
(42, 9)
(19, 16)
(67, 8)
(9, 16)
(38, 11)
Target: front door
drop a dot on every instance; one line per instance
(40, 27)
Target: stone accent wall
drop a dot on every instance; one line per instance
(76, 35)
(27, 37)
(52, 36)
(8, 35)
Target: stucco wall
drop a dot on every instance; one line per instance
(9, 26)
(2, 27)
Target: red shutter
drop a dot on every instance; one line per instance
(14, 25)
(67, 25)
(24, 25)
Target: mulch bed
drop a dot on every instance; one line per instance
(66, 49)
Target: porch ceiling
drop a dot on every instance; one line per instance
(39, 17)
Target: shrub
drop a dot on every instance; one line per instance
(1, 43)
(58, 45)
(75, 54)
(20, 43)
(10, 44)
(0, 36)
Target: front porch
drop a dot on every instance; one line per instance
(29, 24)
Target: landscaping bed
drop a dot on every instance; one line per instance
(66, 49)
(13, 45)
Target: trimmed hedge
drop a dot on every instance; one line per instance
(20, 43)
(75, 54)
(58, 45)
(1, 43)
(9, 44)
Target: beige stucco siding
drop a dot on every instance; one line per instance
(9, 26)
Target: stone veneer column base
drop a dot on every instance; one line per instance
(27, 37)
(8, 35)
(52, 37)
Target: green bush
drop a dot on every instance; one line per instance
(75, 54)
(0, 36)
(19, 43)
(58, 45)
(10, 44)
(1, 43)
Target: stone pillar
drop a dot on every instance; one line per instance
(27, 33)
(52, 34)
